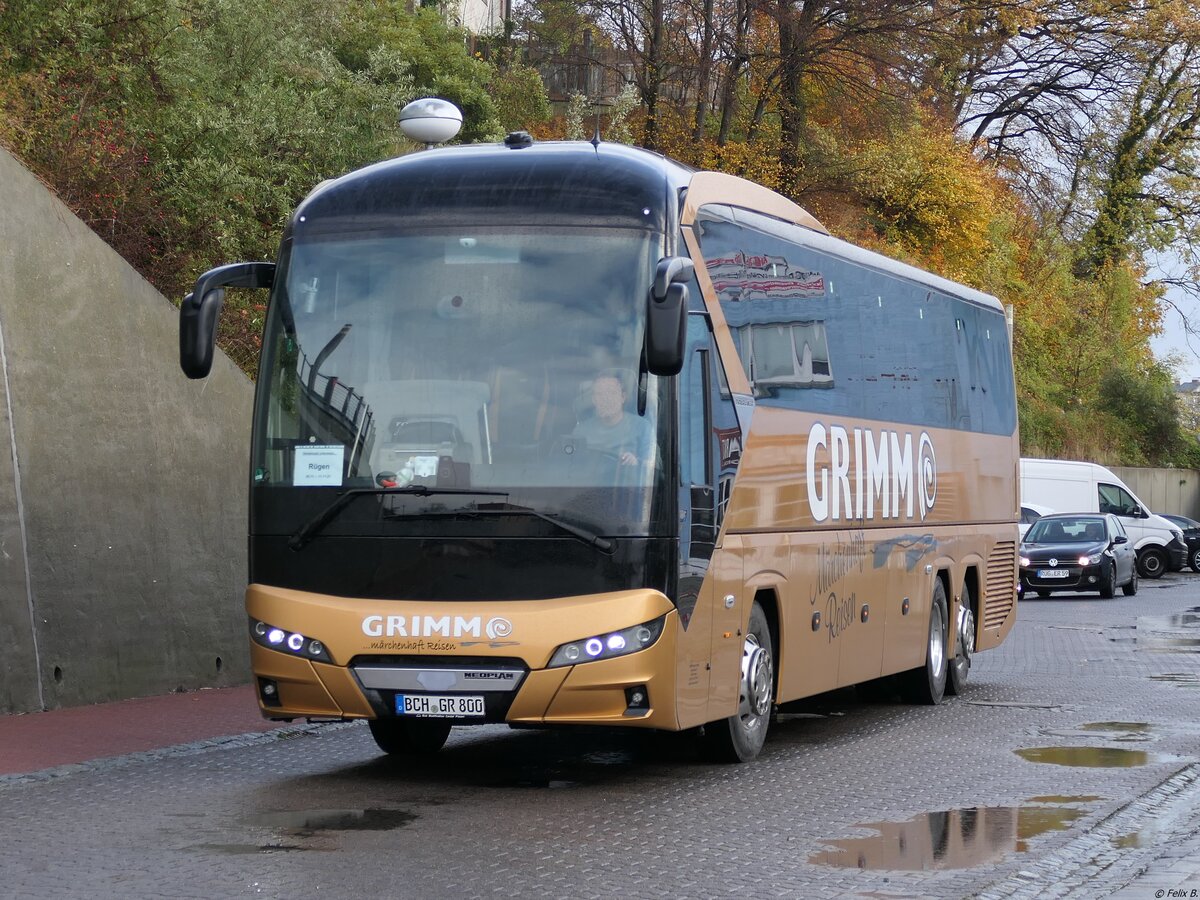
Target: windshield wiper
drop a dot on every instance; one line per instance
(313, 526)
(604, 545)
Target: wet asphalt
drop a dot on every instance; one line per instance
(1070, 768)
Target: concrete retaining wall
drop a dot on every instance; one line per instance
(122, 484)
(1175, 491)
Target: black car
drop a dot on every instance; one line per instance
(1078, 552)
(1191, 536)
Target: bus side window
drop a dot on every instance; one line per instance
(710, 442)
(696, 450)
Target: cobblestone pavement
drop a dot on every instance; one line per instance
(852, 797)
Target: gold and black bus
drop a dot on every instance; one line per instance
(571, 434)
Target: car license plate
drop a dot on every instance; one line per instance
(1053, 573)
(439, 705)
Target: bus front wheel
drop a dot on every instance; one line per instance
(405, 737)
(927, 684)
(740, 737)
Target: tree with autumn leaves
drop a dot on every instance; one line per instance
(1036, 149)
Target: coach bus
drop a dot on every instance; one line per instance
(567, 433)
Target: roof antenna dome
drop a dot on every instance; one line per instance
(430, 121)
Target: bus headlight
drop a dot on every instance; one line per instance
(291, 642)
(608, 645)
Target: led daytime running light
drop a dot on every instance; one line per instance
(608, 645)
(291, 643)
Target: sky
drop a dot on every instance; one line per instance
(1174, 339)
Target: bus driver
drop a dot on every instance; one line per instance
(611, 429)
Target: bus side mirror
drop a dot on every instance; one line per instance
(200, 309)
(666, 316)
(671, 270)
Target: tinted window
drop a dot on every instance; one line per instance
(499, 360)
(821, 333)
(1066, 530)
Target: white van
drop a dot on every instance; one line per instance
(1068, 486)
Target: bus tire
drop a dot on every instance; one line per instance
(926, 684)
(740, 737)
(403, 737)
(964, 646)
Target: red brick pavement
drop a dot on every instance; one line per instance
(29, 743)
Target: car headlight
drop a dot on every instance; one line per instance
(1024, 560)
(1091, 559)
(291, 642)
(609, 645)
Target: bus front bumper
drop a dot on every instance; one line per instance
(635, 690)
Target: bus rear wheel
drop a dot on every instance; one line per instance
(740, 737)
(927, 684)
(404, 737)
(960, 666)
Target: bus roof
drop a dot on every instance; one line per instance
(576, 181)
(572, 182)
(862, 256)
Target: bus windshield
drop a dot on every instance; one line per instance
(499, 360)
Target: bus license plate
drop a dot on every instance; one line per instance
(439, 706)
(1053, 573)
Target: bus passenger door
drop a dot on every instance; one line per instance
(709, 448)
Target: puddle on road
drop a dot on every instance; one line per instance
(1179, 633)
(1012, 704)
(589, 768)
(309, 821)
(950, 839)
(249, 849)
(1088, 757)
(1058, 799)
(1128, 732)
(1118, 727)
(1118, 732)
(1189, 618)
(1163, 644)
(1131, 841)
(534, 781)
(1191, 679)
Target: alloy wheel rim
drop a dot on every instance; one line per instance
(757, 682)
(966, 636)
(937, 641)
